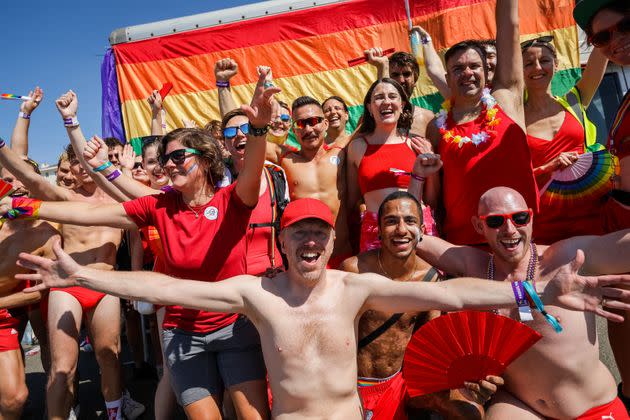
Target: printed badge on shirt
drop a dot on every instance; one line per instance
(211, 213)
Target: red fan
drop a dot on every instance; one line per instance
(166, 88)
(5, 188)
(363, 59)
(463, 346)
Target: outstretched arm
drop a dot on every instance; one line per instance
(433, 62)
(18, 299)
(224, 70)
(19, 138)
(592, 76)
(223, 296)
(508, 81)
(567, 289)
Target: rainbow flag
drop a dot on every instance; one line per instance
(309, 52)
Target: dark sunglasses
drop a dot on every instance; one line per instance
(519, 218)
(178, 156)
(138, 165)
(230, 132)
(602, 38)
(540, 40)
(285, 117)
(312, 121)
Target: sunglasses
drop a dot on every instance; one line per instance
(540, 40)
(519, 218)
(602, 38)
(285, 117)
(230, 132)
(138, 165)
(312, 121)
(178, 156)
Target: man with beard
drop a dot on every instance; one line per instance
(95, 246)
(383, 337)
(307, 316)
(33, 237)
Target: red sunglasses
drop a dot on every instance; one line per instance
(602, 38)
(519, 218)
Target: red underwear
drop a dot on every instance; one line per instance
(385, 400)
(88, 299)
(614, 410)
(8, 332)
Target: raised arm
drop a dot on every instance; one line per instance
(19, 138)
(223, 296)
(259, 115)
(433, 62)
(425, 179)
(70, 212)
(224, 70)
(508, 81)
(376, 58)
(158, 123)
(36, 184)
(592, 76)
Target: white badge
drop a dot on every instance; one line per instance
(335, 160)
(211, 213)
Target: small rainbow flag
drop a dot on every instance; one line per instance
(15, 97)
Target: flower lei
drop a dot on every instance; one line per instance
(490, 121)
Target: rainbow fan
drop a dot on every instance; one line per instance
(5, 188)
(463, 346)
(589, 178)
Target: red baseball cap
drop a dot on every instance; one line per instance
(306, 208)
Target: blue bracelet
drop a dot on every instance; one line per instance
(2, 143)
(529, 288)
(102, 167)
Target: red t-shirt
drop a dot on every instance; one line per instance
(471, 170)
(190, 250)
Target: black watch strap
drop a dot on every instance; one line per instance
(258, 132)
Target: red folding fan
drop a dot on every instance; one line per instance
(463, 346)
(5, 188)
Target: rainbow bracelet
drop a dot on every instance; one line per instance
(529, 289)
(24, 208)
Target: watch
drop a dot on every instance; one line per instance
(258, 132)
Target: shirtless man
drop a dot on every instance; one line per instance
(33, 237)
(307, 317)
(93, 246)
(383, 337)
(336, 113)
(561, 376)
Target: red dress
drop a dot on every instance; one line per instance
(469, 171)
(554, 221)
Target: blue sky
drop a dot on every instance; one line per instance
(60, 46)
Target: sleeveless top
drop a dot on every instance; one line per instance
(471, 170)
(374, 168)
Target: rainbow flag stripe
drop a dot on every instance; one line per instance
(309, 52)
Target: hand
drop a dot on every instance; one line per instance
(565, 159)
(29, 106)
(128, 157)
(260, 109)
(481, 392)
(420, 144)
(273, 272)
(423, 33)
(6, 204)
(155, 101)
(427, 164)
(375, 57)
(572, 291)
(225, 69)
(61, 272)
(68, 104)
(189, 123)
(95, 152)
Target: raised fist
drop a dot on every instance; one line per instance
(225, 69)
(68, 104)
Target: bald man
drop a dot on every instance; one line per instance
(561, 376)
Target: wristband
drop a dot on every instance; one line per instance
(24, 115)
(529, 289)
(267, 85)
(425, 40)
(71, 122)
(24, 208)
(524, 310)
(2, 143)
(102, 167)
(258, 132)
(115, 174)
(223, 83)
(163, 115)
(418, 177)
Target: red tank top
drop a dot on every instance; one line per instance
(258, 238)
(471, 170)
(374, 168)
(555, 222)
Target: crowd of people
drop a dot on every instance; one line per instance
(287, 282)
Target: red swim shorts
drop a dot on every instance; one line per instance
(8, 332)
(386, 400)
(614, 410)
(88, 299)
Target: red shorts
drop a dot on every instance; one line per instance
(88, 299)
(8, 332)
(386, 400)
(616, 216)
(614, 410)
